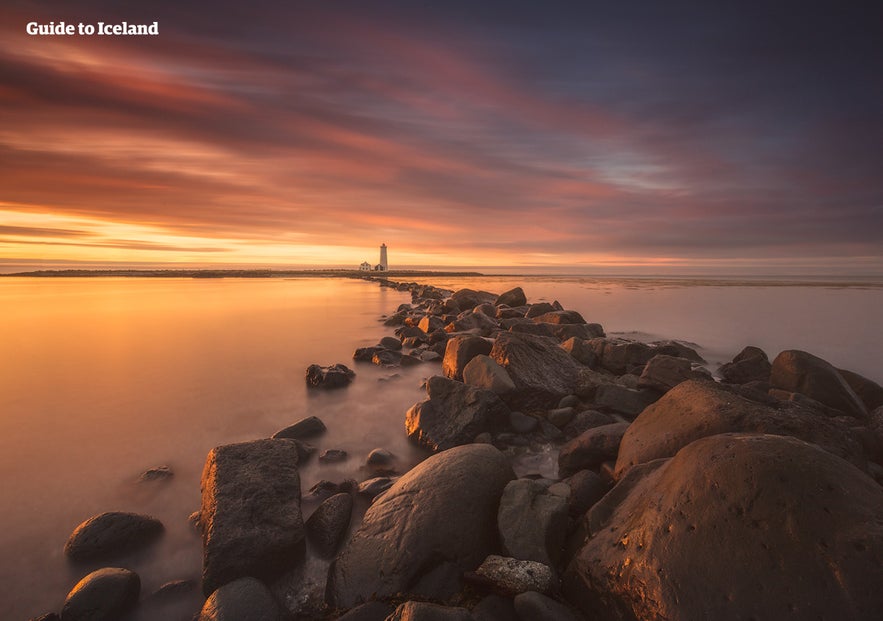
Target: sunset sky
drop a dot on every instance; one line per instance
(594, 137)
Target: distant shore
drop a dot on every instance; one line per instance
(198, 273)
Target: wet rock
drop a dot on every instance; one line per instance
(386, 357)
(513, 297)
(453, 414)
(330, 456)
(798, 371)
(533, 606)
(486, 309)
(437, 520)
(431, 323)
(581, 351)
(390, 342)
(477, 323)
(624, 400)
(430, 356)
(104, 595)
(522, 423)
(334, 376)
(747, 513)
(244, 599)
(250, 516)
(586, 488)
(560, 317)
(111, 534)
(425, 611)
(514, 576)
(542, 372)
(750, 365)
(663, 373)
(366, 354)
(158, 473)
(621, 356)
(469, 298)
(591, 448)
(678, 349)
(696, 409)
(329, 522)
(565, 331)
(532, 523)
(870, 392)
(305, 428)
(380, 460)
(483, 372)
(560, 416)
(376, 486)
(459, 351)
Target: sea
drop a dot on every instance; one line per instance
(104, 378)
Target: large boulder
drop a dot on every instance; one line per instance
(469, 298)
(533, 606)
(513, 297)
(111, 534)
(749, 365)
(250, 517)
(542, 372)
(459, 350)
(591, 448)
(735, 526)
(695, 409)
(624, 400)
(798, 371)
(870, 392)
(580, 349)
(244, 599)
(453, 414)
(474, 322)
(436, 522)
(532, 522)
(621, 356)
(483, 372)
(560, 317)
(664, 372)
(334, 376)
(104, 595)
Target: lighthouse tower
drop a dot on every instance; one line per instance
(384, 265)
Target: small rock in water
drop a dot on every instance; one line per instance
(304, 428)
(333, 455)
(334, 376)
(110, 534)
(104, 595)
(159, 473)
(380, 460)
(391, 342)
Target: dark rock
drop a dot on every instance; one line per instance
(453, 414)
(369, 611)
(322, 490)
(366, 354)
(513, 297)
(430, 356)
(586, 488)
(696, 409)
(395, 320)
(797, 371)
(173, 590)
(560, 416)
(540, 308)
(486, 309)
(104, 595)
(431, 323)
(250, 516)
(424, 611)
(620, 356)
(528, 327)
(624, 400)
(159, 473)
(329, 522)
(581, 350)
(390, 342)
(376, 486)
(746, 513)
(494, 608)
(532, 523)
(410, 360)
(591, 448)
(560, 316)
(533, 606)
(870, 393)
(678, 350)
(569, 401)
(483, 372)
(663, 372)
(476, 323)
(459, 351)
(111, 534)
(380, 460)
(522, 423)
(469, 298)
(440, 516)
(542, 372)
(585, 420)
(49, 616)
(750, 365)
(585, 331)
(335, 376)
(333, 455)
(244, 599)
(386, 357)
(504, 312)
(308, 427)
(513, 576)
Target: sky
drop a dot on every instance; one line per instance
(590, 137)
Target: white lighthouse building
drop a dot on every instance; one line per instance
(384, 264)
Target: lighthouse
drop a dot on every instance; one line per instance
(384, 265)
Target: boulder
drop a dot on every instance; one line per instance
(798, 371)
(308, 427)
(750, 365)
(580, 349)
(514, 576)
(250, 517)
(157, 473)
(486, 309)
(391, 342)
(459, 351)
(621, 356)
(431, 323)
(870, 392)
(369, 611)
(678, 350)
(542, 372)
(425, 611)
(591, 448)
(587, 419)
(522, 423)
(244, 599)
(528, 327)
(387, 357)
(329, 522)
(476, 323)
(663, 373)
(435, 522)
(330, 456)
(559, 317)
(366, 354)
(483, 372)
(453, 414)
(334, 376)
(586, 488)
(494, 608)
(380, 460)
(624, 400)
(533, 606)
(111, 534)
(513, 297)
(566, 331)
(104, 595)
(532, 523)
(560, 416)
(469, 298)
(696, 409)
(735, 526)
(375, 486)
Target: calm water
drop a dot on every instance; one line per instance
(101, 379)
